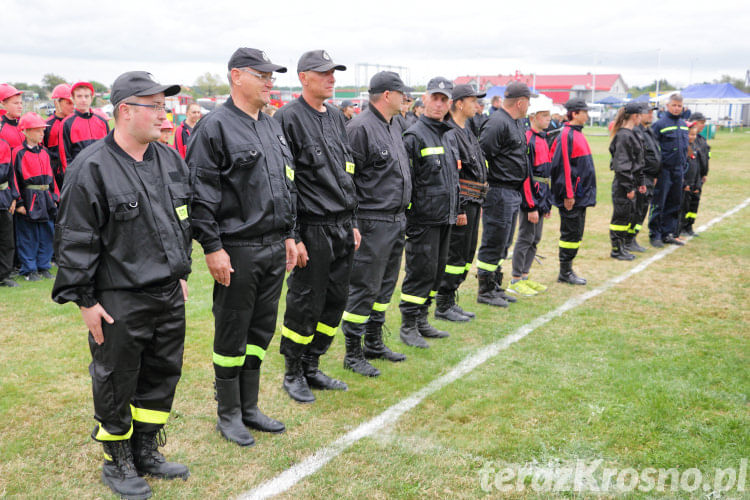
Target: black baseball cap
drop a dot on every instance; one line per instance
(140, 84)
(347, 103)
(418, 103)
(440, 85)
(633, 108)
(518, 89)
(648, 107)
(387, 80)
(245, 57)
(697, 117)
(576, 104)
(317, 60)
(461, 91)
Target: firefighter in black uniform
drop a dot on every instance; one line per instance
(327, 237)
(703, 152)
(473, 188)
(383, 183)
(651, 167)
(503, 140)
(243, 216)
(123, 250)
(627, 163)
(433, 152)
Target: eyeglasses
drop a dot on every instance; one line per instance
(265, 78)
(156, 107)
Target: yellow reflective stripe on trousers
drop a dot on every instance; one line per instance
(326, 330)
(228, 361)
(667, 129)
(616, 227)
(102, 435)
(454, 269)
(691, 215)
(468, 266)
(149, 416)
(439, 150)
(295, 337)
(379, 306)
(350, 167)
(289, 172)
(569, 244)
(354, 318)
(255, 350)
(413, 299)
(485, 266)
(433, 293)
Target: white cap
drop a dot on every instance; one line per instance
(541, 103)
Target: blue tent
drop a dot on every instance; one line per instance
(610, 101)
(496, 90)
(714, 91)
(642, 98)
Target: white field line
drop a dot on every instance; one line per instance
(321, 457)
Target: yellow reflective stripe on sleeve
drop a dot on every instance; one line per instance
(484, 266)
(468, 266)
(684, 128)
(433, 293)
(295, 337)
(413, 299)
(350, 167)
(149, 416)
(486, 164)
(228, 361)
(709, 154)
(691, 215)
(454, 269)
(289, 172)
(569, 244)
(439, 150)
(354, 318)
(326, 330)
(379, 306)
(102, 435)
(409, 207)
(667, 129)
(255, 350)
(616, 227)
(182, 212)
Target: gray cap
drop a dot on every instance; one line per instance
(387, 80)
(346, 104)
(518, 89)
(576, 104)
(440, 85)
(418, 103)
(461, 91)
(140, 84)
(633, 108)
(245, 57)
(317, 60)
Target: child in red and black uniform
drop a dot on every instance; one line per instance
(691, 181)
(12, 103)
(36, 204)
(8, 195)
(63, 108)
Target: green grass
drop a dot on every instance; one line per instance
(652, 373)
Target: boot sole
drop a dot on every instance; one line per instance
(490, 303)
(268, 431)
(168, 477)
(383, 356)
(303, 401)
(463, 319)
(142, 496)
(221, 433)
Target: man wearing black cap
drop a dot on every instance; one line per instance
(433, 152)
(503, 140)
(123, 250)
(573, 186)
(401, 118)
(347, 108)
(327, 235)
(243, 215)
(703, 151)
(472, 178)
(652, 165)
(383, 183)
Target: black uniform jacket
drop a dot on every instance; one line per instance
(242, 178)
(627, 159)
(472, 176)
(503, 141)
(651, 151)
(122, 224)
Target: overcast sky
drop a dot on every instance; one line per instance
(683, 41)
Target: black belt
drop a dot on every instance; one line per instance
(381, 215)
(326, 219)
(268, 238)
(506, 185)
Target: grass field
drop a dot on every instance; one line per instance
(652, 373)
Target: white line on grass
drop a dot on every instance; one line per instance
(321, 457)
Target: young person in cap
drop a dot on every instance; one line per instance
(12, 102)
(400, 118)
(433, 152)
(573, 186)
(651, 168)
(672, 135)
(243, 216)
(183, 131)
(472, 179)
(81, 128)
(36, 205)
(326, 233)
(691, 182)
(503, 140)
(627, 163)
(478, 120)
(347, 108)
(166, 131)
(417, 110)
(122, 241)
(8, 195)
(383, 182)
(703, 151)
(63, 109)
(530, 233)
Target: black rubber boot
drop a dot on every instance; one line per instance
(410, 334)
(618, 250)
(444, 309)
(499, 287)
(486, 293)
(461, 310)
(149, 461)
(354, 359)
(230, 424)
(375, 348)
(632, 245)
(251, 414)
(319, 380)
(119, 472)
(568, 276)
(427, 330)
(295, 383)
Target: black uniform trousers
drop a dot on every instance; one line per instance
(317, 293)
(463, 246)
(665, 208)
(426, 256)
(7, 243)
(572, 223)
(623, 211)
(135, 371)
(642, 203)
(375, 271)
(689, 209)
(501, 209)
(245, 312)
